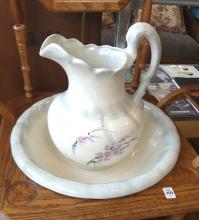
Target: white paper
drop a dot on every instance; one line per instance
(169, 192)
(184, 71)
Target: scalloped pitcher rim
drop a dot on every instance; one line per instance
(75, 50)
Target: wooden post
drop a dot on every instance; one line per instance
(21, 40)
(143, 50)
(16, 11)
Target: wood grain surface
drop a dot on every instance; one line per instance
(7, 113)
(83, 5)
(22, 199)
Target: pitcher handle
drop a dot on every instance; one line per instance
(134, 35)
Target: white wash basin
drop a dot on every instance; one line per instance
(153, 158)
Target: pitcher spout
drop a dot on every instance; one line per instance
(74, 56)
(52, 49)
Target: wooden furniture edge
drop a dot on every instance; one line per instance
(83, 6)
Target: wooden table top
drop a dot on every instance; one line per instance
(22, 199)
(83, 5)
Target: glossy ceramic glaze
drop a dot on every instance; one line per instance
(95, 123)
(153, 157)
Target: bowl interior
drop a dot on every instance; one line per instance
(154, 145)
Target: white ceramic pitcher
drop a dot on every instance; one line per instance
(95, 123)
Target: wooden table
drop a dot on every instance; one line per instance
(22, 199)
(84, 5)
(122, 7)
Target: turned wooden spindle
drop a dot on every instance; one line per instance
(144, 48)
(21, 40)
(16, 10)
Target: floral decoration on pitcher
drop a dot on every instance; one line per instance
(91, 137)
(116, 148)
(113, 149)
